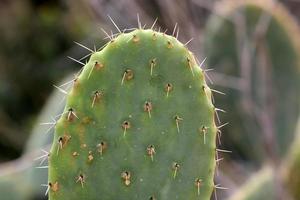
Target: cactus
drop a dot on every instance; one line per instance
(262, 185)
(291, 165)
(128, 130)
(273, 73)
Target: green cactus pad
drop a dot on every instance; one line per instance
(272, 76)
(133, 125)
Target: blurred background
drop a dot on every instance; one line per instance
(252, 52)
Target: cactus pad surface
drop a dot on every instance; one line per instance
(138, 124)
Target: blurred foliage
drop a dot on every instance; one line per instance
(33, 36)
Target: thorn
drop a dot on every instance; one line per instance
(81, 45)
(114, 24)
(203, 130)
(126, 177)
(218, 92)
(81, 178)
(152, 64)
(71, 114)
(208, 70)
(128, 75)
(76, 60)
(148, 108)
(154, 23)
(84, 57)
(221, 126)
(217, 115)
(168, 88)
(60, 144)
(174, 29)
(219, 136)
(107, 35)
(218, 118)
(53, 124)
(101, 147)
(188, 41)
(176, 167)
(219, 187)
(91, 71)
(61, 90)
(48, 187)
(218, 160)
(144, 26)
(47, 123)
(126, 125)
(67, 83)
(209, 79)
(221, 110)
(129, 29)
(78, 74)
(62, 141)
(223, 150)
(151, 151)
(112, 35)
(53, 187)
(190, 65)
(177, 34)
(57, 116)
(198, 183)
(202, 62)
(215, 194)
(43, 157)
(138, 20)
(97, 65)
(177, 120)
(42, 167)
(96, 97)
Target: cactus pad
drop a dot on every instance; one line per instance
(271, 73)
(138, 124)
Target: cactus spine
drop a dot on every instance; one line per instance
(138, 124)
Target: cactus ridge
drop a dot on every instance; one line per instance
(133, 125)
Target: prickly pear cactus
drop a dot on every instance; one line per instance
(291, 165)
(270, 75)
(262, 185)
(138, 124)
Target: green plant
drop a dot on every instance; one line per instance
(269, 181)
(255, 43)
(138, 124)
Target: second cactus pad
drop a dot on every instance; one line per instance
(138, 124)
